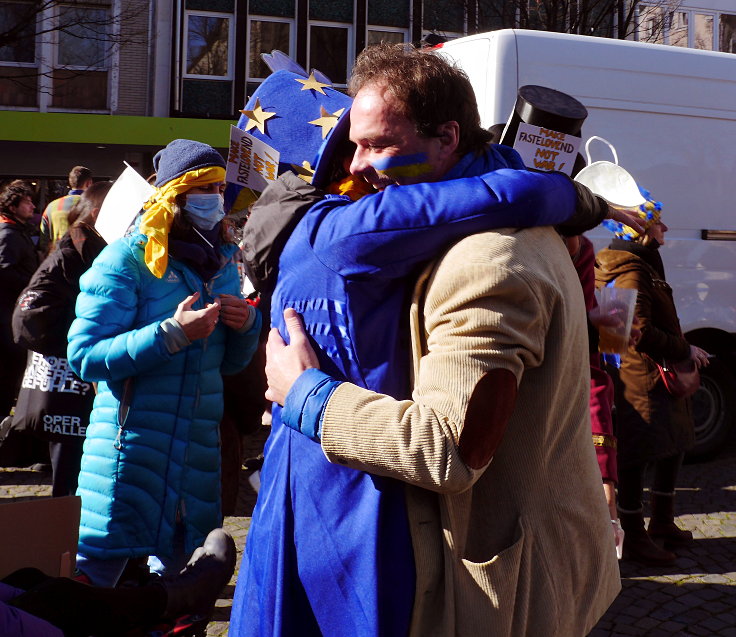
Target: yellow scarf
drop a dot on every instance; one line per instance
(159, 214)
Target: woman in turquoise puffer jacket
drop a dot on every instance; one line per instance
(159, 319)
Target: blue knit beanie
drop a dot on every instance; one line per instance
(181, 156)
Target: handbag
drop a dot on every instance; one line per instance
(53, 402)
(681, 379)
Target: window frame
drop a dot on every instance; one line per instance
(231, 17)
(36, 52)
(56, 39)
(350, 45)
(691, 13)
(267, 18)
(373, 27)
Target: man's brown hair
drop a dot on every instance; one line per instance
(428, 90)
(78, 176)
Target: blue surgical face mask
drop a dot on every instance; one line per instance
(204, 211)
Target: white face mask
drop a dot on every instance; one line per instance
(204, 210)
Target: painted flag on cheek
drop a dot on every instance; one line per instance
(403, 166)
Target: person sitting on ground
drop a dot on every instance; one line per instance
(34, 604)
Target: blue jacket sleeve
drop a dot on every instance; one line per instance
(389, 233)
(306, 400)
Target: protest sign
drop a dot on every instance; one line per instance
(251, 163)
(545, 149)
(122, 203)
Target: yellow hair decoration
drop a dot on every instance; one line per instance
(159, 214)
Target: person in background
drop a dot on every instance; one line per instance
(50, 391)
(18, 262)
(55, 217)
(652, 427)
(159, 319)
(601, 387)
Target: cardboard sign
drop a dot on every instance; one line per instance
(41, 533)
(251, 163)
(122, 203)
(545, 149)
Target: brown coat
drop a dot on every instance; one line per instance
(521, 546)
(650, 423)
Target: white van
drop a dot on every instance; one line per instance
(671, 115)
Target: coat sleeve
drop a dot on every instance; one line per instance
(387, 234)
(105, 344)
(476, 326)
(12, 277)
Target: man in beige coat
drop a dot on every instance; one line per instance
(510, 530)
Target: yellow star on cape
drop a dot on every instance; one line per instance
(305, 171)
(257, 117)
(327, 121)
(314, 84)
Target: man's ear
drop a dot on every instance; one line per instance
(449, 137)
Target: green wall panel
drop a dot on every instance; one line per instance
(389, 13)
(279, 8)
(221, 6)
(332, 10)
(207, 97)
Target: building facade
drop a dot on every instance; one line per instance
(101, 82)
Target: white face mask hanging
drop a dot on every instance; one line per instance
(609, 180)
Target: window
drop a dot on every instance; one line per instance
(207, 46)
(688, 28)
(651, 24)
(727, 33)
(376, 35)
(80, 77)
(329, 50)
(22, 48)
(264, 36)
(207, 64)
(18, 69)
(703, 31)
(61, 55)
(679, 29)
(83, 40)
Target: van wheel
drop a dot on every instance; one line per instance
(714, 410)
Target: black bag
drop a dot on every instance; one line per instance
(53, 402)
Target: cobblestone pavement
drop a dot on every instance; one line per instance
(695, 597)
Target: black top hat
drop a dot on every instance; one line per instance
(545, 107)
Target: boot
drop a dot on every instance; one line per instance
(196, 588)
(662, 523)
(638, 546)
